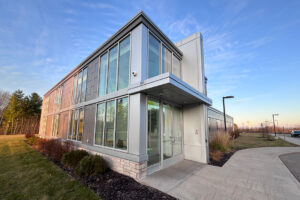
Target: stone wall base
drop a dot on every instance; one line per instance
(129, 168)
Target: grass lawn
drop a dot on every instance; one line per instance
(253, 140)
(26, 174)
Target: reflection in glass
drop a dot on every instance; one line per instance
(83, 90)
(153, 57)
(166, 60)
(79, 87)
(124, 63)
(177, 120)
(167, 131)
(74, 89)
(176, 67)
(102, 79)
(80, 128)
(99, 123)
(122, 123)
(109, 124)
(112, 70)
(153, 132)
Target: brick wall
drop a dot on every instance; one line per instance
(51, 102)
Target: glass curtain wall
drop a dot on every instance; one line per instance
(153, 132)
(153, 57)
(123, 74)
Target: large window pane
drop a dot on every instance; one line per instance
(109, 124)
(70, 126)
(103, 69)
(80, 128)
(83, 90)
(124, 63)
(176, 67)
(167, 131)
(166, 60)
(75, 125)
(99, 123)
(112, 70)
(153, 149)
(153, 57)
(74, 89)
(79, 87)
(177, 120)
(122, 122)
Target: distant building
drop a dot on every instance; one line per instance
(139, 100)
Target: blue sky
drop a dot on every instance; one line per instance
(251, 48)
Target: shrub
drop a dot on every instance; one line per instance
(29, 135)
(53, 148)
(91, 165)
(234, 134)
(72, 158)
(33, 140)
(220, 141)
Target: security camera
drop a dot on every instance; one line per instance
(134, 73)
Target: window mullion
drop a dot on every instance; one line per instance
(115, 122)
(104, 124)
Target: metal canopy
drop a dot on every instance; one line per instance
(169, 87)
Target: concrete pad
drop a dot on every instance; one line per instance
(250, 174)
(170, 177)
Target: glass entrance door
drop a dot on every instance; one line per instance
(164, 138)
(154, 135)
(167, 132)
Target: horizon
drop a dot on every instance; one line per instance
(250, 48)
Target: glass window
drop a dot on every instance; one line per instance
(74, 89)
(83, 90)
(79, 87)
(80, 128)
(75, 124)
(70, 126)
(99, 123)
(176, 67)
(55, 124)
(109, 124)
(153, 149)
(153, 57)
(124, 64)
(122, 123)
(177, 120)
(103, 69)
(112, 70)
(166, 60)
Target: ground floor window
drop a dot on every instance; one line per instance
(112, 123)
(76, 124)
(55, 125)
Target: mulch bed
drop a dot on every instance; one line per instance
(114, 186)
(225, 157)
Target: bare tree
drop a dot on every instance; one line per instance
(4, 99)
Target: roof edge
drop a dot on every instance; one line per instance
(139, 16)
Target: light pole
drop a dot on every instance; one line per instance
(226, 97)
(274, 123)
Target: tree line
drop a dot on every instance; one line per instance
(19, 114)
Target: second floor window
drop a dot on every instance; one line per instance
(114, 68)
(79, 86)
(161, 59)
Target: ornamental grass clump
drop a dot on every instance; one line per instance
(219, 144)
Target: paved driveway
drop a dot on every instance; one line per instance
(250, 174)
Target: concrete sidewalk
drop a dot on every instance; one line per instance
(250, 174)
(288, 138)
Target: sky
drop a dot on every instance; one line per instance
(251, 48)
